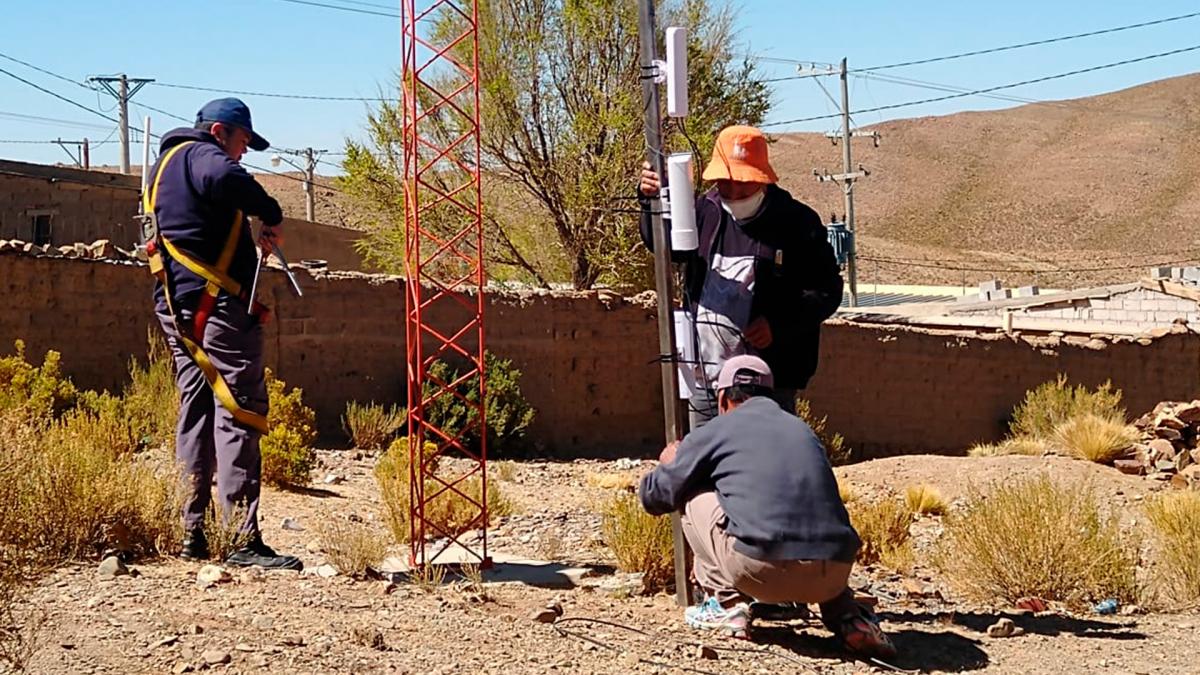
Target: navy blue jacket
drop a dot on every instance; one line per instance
(795, 289)
(771, 477)
(198, 194)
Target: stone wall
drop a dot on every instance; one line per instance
(588, 358)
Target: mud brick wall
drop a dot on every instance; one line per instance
(82, 205)
(896, 390)
(586, 358)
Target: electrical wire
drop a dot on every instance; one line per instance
(44, 71)
(59, 96)
(342, 8)
(1035, 43)
(301, 97)
(986, 90)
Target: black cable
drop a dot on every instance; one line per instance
(52, 120)
(1035, 43)
(60, 97)
(342, 8)
(302, 97)
(990, 89)
(44, 71)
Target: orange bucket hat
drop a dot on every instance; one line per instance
(741, 155)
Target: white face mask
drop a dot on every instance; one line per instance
(744, 209)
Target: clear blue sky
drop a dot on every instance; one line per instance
(276, 46)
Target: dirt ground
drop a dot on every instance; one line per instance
(159, 621)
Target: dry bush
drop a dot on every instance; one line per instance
(34, 393)
(354, 548)
(505, 470)
(223, 530)
(883, 527)
(151, 400)
(1038, 538)
(428, 577)
(1094, 438)
(370, 426)
(639, 541)
(447, 513)
(1013, 446)
(1175, 525)
(846, 492)
(1054, 403)
(834, 444)
(287, 451)
(925, 500)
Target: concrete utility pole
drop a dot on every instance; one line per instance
(848, 176)
(310, 168)
(663, 271)
(122, 93)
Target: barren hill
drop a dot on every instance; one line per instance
(1108, 179)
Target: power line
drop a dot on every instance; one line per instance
(60, 97)
(162, 112)
(1035, 43)
(343, 8)
(50, 120)
(305, 97)
(44, 71)
(977, 92)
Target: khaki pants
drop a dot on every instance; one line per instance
(731, 576)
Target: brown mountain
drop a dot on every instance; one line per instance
(1105, 181)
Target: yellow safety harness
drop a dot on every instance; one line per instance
(218, 280)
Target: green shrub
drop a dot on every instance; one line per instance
(286, 459)
(37, 392)
(1054, 403)
(287, 410)
(508, 413)
(1036, 537)
(639, 541)
(371, 426)
(834, 444)
(151, 399)
(449, 511)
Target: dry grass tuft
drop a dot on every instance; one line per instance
(883, 527)
(1094, 438)
(1038, 538)
(428, 578)
(356, 549)
(1175, 525)
(834, 443)
(1013, 446)
(846, 492)
(224, 530)
(447, 513)
(1054, 403)
(925, 500)
(639, 541)
(371, 426)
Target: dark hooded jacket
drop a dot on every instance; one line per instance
(796, 286)
(199, 192)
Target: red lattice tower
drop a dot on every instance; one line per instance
(444, 260)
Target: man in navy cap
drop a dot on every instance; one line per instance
(761, 512)
(204, 255)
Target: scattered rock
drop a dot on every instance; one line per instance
(325, 571)
(216, 657)
(368, 637)
(243, 647)
(211, 575)
(555, 607)
(1130, 610)
(112, 567)
(165, 642)
(623, 585)
(627, 463)
(314, 547)
(263, 622)
(387, 588)
(259, 661)
(101, 249)
(1004, 628)
(706, 653)
(182, 667)
(1032, 604)
(291, 525)
(333, 479)
(1131, 467)
(194, 629)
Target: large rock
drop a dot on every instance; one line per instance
(1133, 467)
(1160, 450)
(112, 567)
(101, 249)
(211, 575)
(1189, 412)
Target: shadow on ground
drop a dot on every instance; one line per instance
(320, 493)
(1042, 625)
(918, 650)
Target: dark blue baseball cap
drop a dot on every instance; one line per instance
(232, 111)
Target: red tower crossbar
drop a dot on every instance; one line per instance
(443, 208)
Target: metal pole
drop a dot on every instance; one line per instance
(848, 190)
(145, 153)
(123, 100)
(662, 275)
(310, 166)
(87, 158)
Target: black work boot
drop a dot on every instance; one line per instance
(195, 545)
(258, 554)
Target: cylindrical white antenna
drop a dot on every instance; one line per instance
(677, 72)
(145, 153)
(682, 196)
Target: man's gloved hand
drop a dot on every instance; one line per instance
(271, 236)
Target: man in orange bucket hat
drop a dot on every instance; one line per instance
(764, 276)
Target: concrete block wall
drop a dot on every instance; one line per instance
(587, 359)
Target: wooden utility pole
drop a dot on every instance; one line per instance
(663, 273)
(122, 93)
(848, 176)
(310, 168)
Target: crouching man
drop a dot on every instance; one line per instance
(761, 512)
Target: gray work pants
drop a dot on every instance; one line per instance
(207, 439)
(703, 407)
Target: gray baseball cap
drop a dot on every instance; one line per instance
(745, 369)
